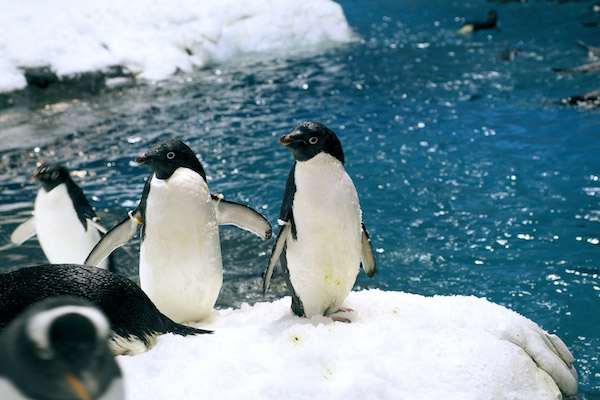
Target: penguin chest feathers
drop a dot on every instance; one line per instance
(180, 257)
(324, 260)
(62, 236)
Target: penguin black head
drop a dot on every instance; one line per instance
(59, 346)
(50, 175)
(165, 157)
(307, 139)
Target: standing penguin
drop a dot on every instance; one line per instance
(180, 254)
(66, 225)
(58, 349)
(322, 239)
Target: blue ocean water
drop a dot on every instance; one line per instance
(471, 182)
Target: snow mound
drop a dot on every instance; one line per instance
(154, 39)
(398, 346)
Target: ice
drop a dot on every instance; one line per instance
(398, 346)
(154, 39)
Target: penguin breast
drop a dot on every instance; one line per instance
(324, 260)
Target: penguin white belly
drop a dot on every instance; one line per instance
(325, 259)
(59, 231)
(180, 257)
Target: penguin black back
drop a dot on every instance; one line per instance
(130, 311)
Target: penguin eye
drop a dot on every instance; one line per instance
(313, 140)
(170, 155)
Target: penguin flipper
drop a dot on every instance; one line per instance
(116, 237)
(277, 249)
(242, 216)
(24, 231)
(366, 253)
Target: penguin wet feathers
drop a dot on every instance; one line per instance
(180, 254)
(66, 225)
(58, 349)
(322, 240)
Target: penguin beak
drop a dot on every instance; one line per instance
(77, 387)
(141, 159)
(285, 140)
(289, 138)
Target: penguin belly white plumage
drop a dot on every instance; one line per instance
(59, 231)
(180, 258)
(324, 260)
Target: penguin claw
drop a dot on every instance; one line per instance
(341, 319)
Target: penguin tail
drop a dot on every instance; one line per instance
(183, 330)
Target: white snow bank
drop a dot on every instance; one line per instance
(155, 38)
(399, 346)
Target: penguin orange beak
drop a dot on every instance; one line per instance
(290, 138)
(77, 387)
(285, 140)
(141, 159)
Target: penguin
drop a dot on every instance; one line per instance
(507, 54)
(473, 26)
(180, 253)
(582, 69)
(135, 321)
(66, 226)
(321, 240)
(58, 349)
(593, 52)
(587, 100)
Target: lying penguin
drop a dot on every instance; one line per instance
(135, 321)
(66, 225)
(322, 239)
(473, 26)
(180, 253)
(58, 349)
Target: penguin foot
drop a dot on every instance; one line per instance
(341, 319)
(338, 318)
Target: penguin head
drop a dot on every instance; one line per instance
(60, 346)
(50, 175)
(165, 157)
(307, 139)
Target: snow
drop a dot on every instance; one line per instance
(154, 39)
(398, 346)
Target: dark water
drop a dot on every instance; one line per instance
(471, 183)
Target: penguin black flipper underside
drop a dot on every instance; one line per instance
(366, 253)
(284, 234)
(242, 216)
(24, 231)
(116, 237)
(82, 207)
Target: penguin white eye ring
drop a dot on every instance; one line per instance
(171, 155)
(313, 140)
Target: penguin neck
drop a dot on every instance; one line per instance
(320, 160)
